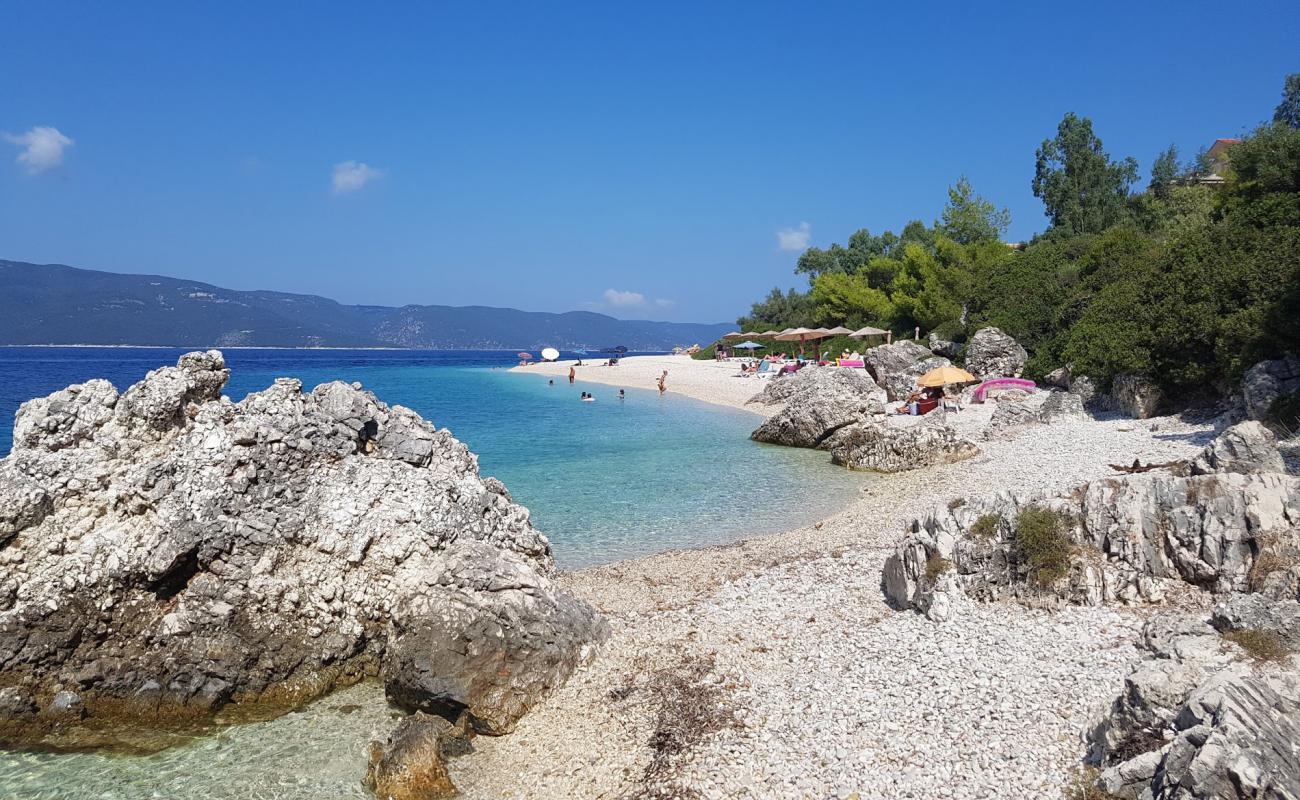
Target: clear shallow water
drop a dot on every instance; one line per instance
(605, 481)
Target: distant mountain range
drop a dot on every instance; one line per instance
(57, 304)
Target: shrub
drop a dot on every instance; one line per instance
(1261, 645)
(1137, 742)
(956, 503)
(986, 527)
(1285, 412)
(1044, 545)
(935, 566)
(1083, 786)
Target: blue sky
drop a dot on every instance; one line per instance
(642, 160)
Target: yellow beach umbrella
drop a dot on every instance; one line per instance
(944, 376)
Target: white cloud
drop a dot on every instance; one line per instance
(42, 148)
(350, 176)
(664, 302)
(617, 299)
(794, 238)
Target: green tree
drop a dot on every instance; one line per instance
(844, 299)
(1288, 111)
(1082, 189)
(791, 309)
(1164, 172)
(969, 218)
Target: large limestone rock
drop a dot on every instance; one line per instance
(1134, 395)
(881, 447)
(166, 552)
(810, 418)
(900, 385)
(1128, 538)
(894, 365)
(1011, 418)
(1245, 447)
(943, 347)
(855, 383)
(1196, 720)
(1266, 381)
(992, 354)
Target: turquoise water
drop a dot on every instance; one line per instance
(605, 481)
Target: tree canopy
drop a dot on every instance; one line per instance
(1288, 111)
(1083, 191)
(969, 218)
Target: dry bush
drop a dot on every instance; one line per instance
(1260, 645)
(1043, 544)
(986, 527)
(935, 566)
(1083, 786)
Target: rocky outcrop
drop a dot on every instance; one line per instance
(1135, 396)
(411, 765)
(901, 384)
(993, 354)
(818, 402)
(1265, 382)
(880, 447)
(1084, 388)
(1114, 539)
(810, 418)
(1011, 418)
(1246, 447)
(894, 366)
(1196, 719)
(167, 552)
(942, 347)
(853, 383)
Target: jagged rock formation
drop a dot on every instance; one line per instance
(1011, 418)
(1265, 382)
(1196, 720)
(894, 366)
(885, 448)
(810, 418)
(818, 380)
(942, 347)
(992, 354)
(818, 402)
(167, 552)
(1123, 538)
(1135, 396)
(1246, 447)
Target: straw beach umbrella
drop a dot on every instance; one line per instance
(944, 376)
(801, 335)
(839, 330)
(862, 333)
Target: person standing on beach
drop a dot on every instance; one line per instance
(572, 374)
(662, 377)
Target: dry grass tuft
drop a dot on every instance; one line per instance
(1083, 786)
(1260, 645)
(986, 527)
(935, 566)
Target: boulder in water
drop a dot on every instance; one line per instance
(167, 552)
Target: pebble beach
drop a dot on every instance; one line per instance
(772, 666)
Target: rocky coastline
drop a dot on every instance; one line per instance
(895, 650)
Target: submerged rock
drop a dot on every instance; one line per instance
(993, 354)
(411, 764)
(167, 552)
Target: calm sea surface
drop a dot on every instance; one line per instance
(605, 481)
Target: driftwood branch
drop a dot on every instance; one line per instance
(1138, 466)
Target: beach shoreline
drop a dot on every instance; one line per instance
(715, 382)
(833, 693)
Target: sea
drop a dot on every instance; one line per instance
(605, 481)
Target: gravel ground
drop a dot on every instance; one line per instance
(773, 668)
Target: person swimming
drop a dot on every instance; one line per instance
(551, 382)
(621, 395)
(588, 398)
